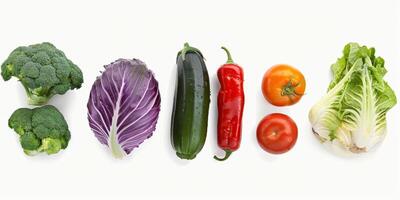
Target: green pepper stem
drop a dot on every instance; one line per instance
(227, 154)
(229, 61)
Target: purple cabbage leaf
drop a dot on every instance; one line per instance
(123, 106)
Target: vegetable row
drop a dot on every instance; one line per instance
(124, 103)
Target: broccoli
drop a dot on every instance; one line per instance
(42, 129)
(43, 70)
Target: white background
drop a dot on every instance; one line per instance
(308, 34)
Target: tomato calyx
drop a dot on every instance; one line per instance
(289, 90)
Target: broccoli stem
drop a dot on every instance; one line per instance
(34, 99)
(37, 100)
(30, 152)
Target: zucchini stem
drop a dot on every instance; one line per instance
(188, 49)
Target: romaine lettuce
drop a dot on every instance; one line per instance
(352, 115)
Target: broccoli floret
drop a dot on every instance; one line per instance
(42, 129)
(29, 142)
(43, 70)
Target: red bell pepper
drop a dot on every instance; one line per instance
(230, 106)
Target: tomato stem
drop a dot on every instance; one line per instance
(229, 61)
(290, 90)
(227, 154)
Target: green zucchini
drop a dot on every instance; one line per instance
(191, 104)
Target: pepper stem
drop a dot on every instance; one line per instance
(227, 154)
(229, 61)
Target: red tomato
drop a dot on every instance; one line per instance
(277, 133)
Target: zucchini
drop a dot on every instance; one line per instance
(191, 104)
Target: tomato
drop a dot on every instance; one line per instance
(283, 85)
(277, 133)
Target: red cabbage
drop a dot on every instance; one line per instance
(123, 106)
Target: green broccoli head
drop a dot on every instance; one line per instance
(42, 129)
(43, 70)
